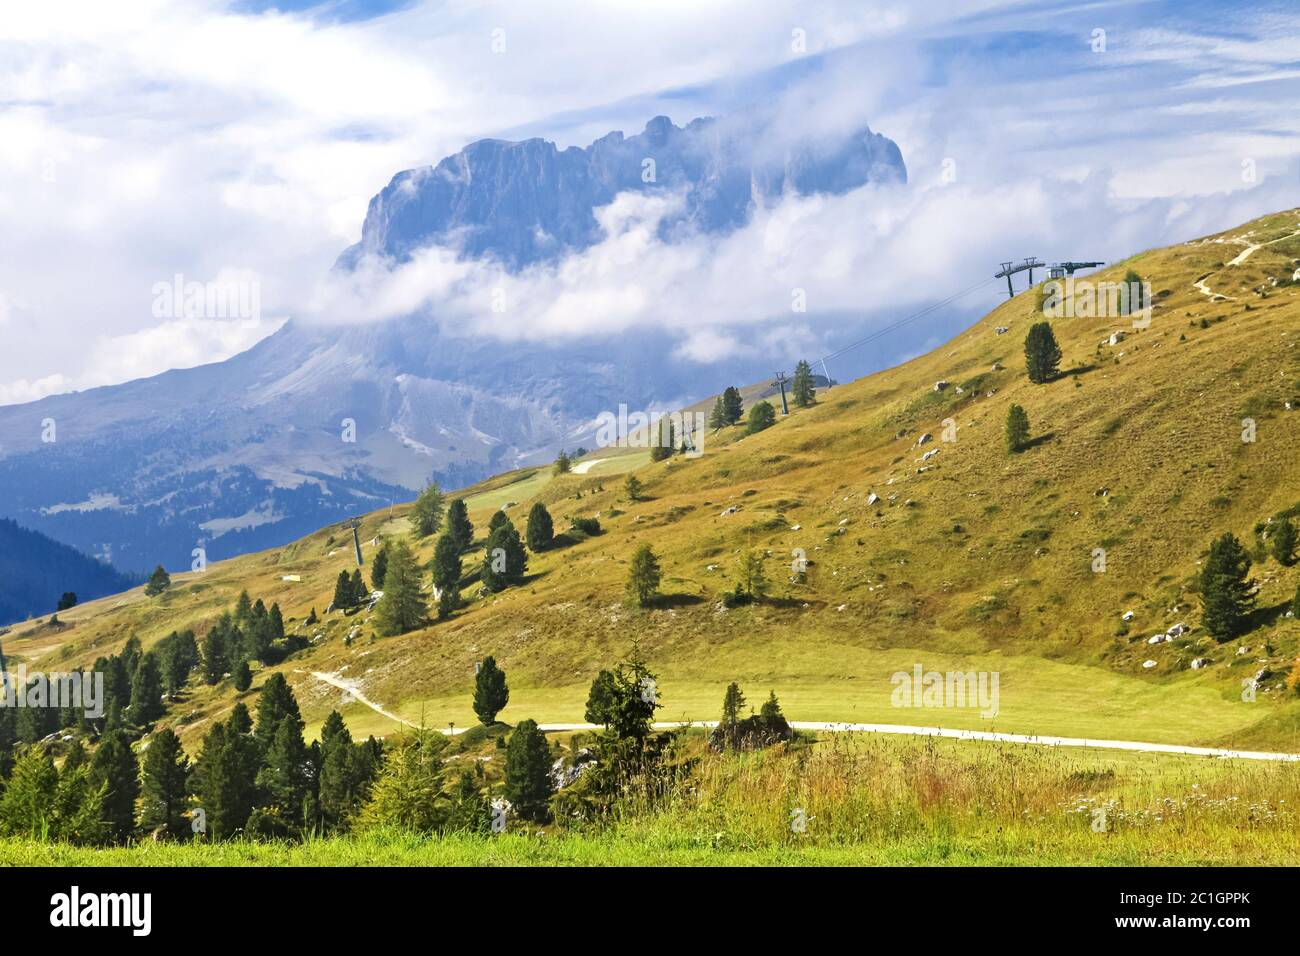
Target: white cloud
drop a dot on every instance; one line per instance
(164, 136)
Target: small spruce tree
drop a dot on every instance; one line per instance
(491, 692)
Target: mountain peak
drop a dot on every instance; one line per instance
(526, 202)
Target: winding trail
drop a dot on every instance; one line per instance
(902, 729)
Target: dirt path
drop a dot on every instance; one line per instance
(902, 729)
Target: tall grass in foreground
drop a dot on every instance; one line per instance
(865, 800)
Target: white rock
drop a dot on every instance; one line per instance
(1148, 664)
(1200, 662)
(1127, 616)
(925, 437)
(1157, 639)
(872, 498)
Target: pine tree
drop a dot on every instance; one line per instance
(78, 803)
(275, 622)
(499, 517)
(379, 563)
(528, 772)
(459, 525)
(732, 406)
(285, 773)
(540, 529)
(448, 602)
(632, 488)
(164, 785)
(718, 417)
(275, 702)
(407, 793)
(643, 576)
(343, 592)
(761, 415)
(244, 609)
(804, 393)
(733, 702)
(1284, 542)
(426, 515)
(1226, 589)
(114, 767)
(214, 656)
(505, 561)
(360, 593)
(159, 582)
(1042, 354)
(471, 809)
(491, 693)
(402, 608)
(753, 579)
(241, 675)
(771, 708)
(1017, 429)
(664, 440)
(146, 691)
(344, 774)
(563, 465)
(27, 807)
(225, 775)
(447, 566)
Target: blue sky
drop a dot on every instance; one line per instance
(243, 139)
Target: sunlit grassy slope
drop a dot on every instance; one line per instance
(981, 561)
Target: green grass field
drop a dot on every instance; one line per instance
(865, 801)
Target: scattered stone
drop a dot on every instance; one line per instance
(925, 437)
(1200, 662)
(940, 385)
(1148, 664)
(1126, 616)
(872, 498)
(1001, 330)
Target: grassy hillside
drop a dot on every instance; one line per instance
(974, 560)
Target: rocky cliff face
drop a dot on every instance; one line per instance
(254, 451)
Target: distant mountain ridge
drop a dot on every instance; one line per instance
(35, 571)
(253, 452)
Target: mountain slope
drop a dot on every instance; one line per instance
(255, 451)
(35, 572)
(975, 559)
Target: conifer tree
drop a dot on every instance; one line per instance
(275, 702)
(459, 525)
(540, 530)
(402, 608)
(718, 417)
(164, 785)
(214, 656)
(343, 592)
(491, 692)
(761, 415)
(803, 392)
(426, 515)
(563, 465)
(146, 691)
(344, 774)
(360, 593)
(1284, 542)
(733, 702)
(448, 602)
(447, 567)
(114, 767)
(244, 609)
(27, 807)
(275, 623)
(771, 708)
(407, 793)
(471, 809)
(753, 579)
(1042, 354)
(1017, 429)
(159, 582)
(225, 775)
(379, 565)
(499, 517)
(505, 560)
(732, 406)
(633, 488)
(664, 440)
(284, 776)
(1226, 590)
(241, 675)
(528, 772)
(643, 576)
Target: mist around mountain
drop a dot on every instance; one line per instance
(319, 422)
